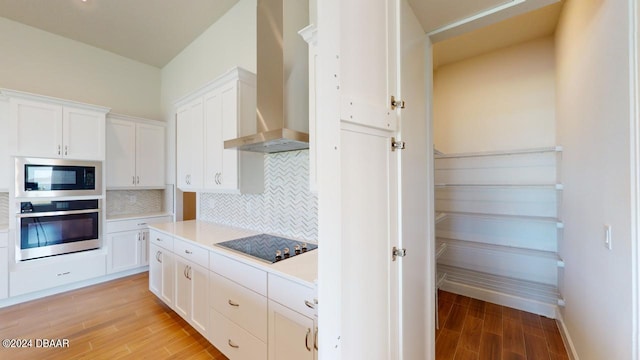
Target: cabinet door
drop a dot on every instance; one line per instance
(199, 317)
(189, 145)
(83, 134)
(182, 288)
(149, 155)
(124, 251)
(291, 334)
(144, 248)
(221, 123)
(4, 273)
(230, 119)
(4, 147)
(38, 128)
(167, 290)
(214, 145)
(368, 68)
(155, 269)
(121, 148)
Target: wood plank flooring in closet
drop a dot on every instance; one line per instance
(120, 319)
(472, 329)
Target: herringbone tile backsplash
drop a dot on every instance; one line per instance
(134, 202)
(287, 207)
(4, 209)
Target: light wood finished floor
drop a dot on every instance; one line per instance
(120, 319)
(476, 330)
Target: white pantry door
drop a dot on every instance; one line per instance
(369, 180)
(416, 188)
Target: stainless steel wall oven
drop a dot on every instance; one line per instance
(48, 228)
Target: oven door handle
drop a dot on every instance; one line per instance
(58, 213)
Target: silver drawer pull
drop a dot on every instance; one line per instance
(232, 344)
(158, 239)
(64, 273)
(142, 224)
(233, 303)
(188, 252)
(309, 304)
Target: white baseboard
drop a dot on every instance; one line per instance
(73, 286)
(516, 302)
(566, 339)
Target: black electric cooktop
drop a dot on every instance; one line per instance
(268, 248)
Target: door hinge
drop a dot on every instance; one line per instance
(396, 103)
(395, 252)
(396, 144)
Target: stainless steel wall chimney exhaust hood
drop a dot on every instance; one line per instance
(282, 79)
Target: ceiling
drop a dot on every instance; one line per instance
(155, 31)
(150, 31)
(515, 30)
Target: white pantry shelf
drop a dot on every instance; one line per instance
(440, 155)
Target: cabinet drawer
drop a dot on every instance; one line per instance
(134, 224)
(292, 295)
(161, 239)
(64, 272)
(191, 252)
(4, 239)
(235, 342)
(244, 307)
(245, 275)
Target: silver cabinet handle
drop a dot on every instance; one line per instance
(315, 339)
(306, 340)
(184, 272)
(133, 181)
(158, 254)
(188, 252)
(66, 150)
(158, 239)
(59, 150)
(232, 344)
(309, 304)
(219, 178)
(142, 224)
(233, 303)
(189, 273)
(138, 180)
(138, 236)
(64, 273)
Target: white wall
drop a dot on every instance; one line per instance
(501, 100)
(593, 127)
(229, 42)
(39, 62)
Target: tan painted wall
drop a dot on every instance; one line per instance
(39, 62)
(501, 100)
(594, 127)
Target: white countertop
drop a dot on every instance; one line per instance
(301, 268)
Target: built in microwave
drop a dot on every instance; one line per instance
(38, 177)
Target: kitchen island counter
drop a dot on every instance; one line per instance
(301, 268)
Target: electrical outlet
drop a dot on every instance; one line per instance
(607, 237)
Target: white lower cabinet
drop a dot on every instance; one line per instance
(127, 242)
(161, 270)
(235, 342)
(292, 318)
(191, 282)
(46, 274)
(127, 250)
(4, 266)
(292, 336)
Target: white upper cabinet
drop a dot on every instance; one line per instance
(53, 128)
(366, 86)
(222, 110)
(190, 145)
(135, 153)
